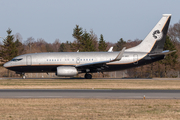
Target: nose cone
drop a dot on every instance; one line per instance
(5, 65)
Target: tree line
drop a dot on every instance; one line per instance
(13, 45)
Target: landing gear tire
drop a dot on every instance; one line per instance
(88, 76)
(24, 77)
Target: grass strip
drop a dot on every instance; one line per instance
(88, 84)
(100, 109)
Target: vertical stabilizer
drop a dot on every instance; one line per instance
(154, 41)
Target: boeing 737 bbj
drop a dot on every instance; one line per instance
(72, 63)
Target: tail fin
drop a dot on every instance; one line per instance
(154, 42)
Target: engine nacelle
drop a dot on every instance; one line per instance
(66, 71)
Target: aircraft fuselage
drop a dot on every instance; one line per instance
(48, 62)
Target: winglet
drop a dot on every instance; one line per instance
(119, 56)
(110, 49)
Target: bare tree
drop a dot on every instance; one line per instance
(40, 45)
(174, 32)
(94, 38)
(0, 45)
(56, 45)
(29, 44)
(18, 37)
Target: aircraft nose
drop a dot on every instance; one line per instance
(5, 65)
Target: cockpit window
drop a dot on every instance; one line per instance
(16, 59)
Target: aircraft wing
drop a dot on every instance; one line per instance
(163, 53)
(100, 64)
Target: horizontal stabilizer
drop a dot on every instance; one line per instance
(163, 53)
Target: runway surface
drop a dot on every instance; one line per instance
(119, 94)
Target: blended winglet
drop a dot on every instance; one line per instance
(110, 49)
(119, 56)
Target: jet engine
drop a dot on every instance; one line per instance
(66, 71)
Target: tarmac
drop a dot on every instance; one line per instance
(86, 93)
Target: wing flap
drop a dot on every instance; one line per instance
(93, 63)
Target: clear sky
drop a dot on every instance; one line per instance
(56, 19)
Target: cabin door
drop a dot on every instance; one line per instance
(135, 59)
(28, 60)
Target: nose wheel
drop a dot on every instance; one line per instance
(88, 76)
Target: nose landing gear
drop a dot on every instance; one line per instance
(88, 76)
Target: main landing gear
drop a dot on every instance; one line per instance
(23, 76)
(88, 76)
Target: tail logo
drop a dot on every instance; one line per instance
(157, 34)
